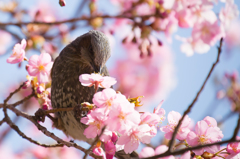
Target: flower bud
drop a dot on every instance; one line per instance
(40, 89)
(45, 106)
(114, 137)
(62, 3)
(207, 155)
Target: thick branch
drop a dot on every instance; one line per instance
(195, 99)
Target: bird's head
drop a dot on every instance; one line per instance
(92, 49)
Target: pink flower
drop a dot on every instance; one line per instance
(234, 147)
(204, 134)
(99, 151)
(122, 117)
(148, 152)
(18, 53)
(96, 121)
(185, 18)
(134, 136)
(191, 45)
(160, 111)
(110, 149)
(5, 40)
(97, 80)
(173, 119)
(208, 32)
(228, 14)
(105, 99)
(40, 66)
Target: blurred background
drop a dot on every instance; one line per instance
(165, 73)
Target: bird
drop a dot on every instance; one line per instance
(86, 54)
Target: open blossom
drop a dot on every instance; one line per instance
(228, 14)
(123, 117)
(191, 45)
(97, 80)
(107, 98)
(132, 138)
(4, 41)
(208, 32)
(18, 53)
(148, 152)
(40, 66)
(234, 147)
(173, 119)
(204, 133)
(96, 121)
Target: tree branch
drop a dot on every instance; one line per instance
(179, 152)
(83, 18)
(46, 132)
(195, 99)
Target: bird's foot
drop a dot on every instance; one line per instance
(40, 115)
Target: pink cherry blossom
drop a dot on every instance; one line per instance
(228, 14)
(99, 151)
(40, 66)
(185, 18)
(148, 76)
(18, 53)
(208, 32)
(204, 134)
(148, 152)
(122, 117)
(191, 45)
(96, 121)
(234, 147)
(4, 41)
(105, 99)
(160, 111)
(134, 136)
(173, 119)
(97, 80)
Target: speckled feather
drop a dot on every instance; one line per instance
(75, 59)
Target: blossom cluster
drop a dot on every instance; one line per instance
(207, 27)
(116, 112)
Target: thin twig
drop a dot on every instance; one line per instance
(237, 128)
(94, 143)
(82, 18)
(195, 99)
(15, 127)
(46, 132)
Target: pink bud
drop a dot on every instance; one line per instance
(99, 151)
(26, 84)
(45, 106)
(62, 3)
(110, 149)
(114, 137)
(39, 89)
